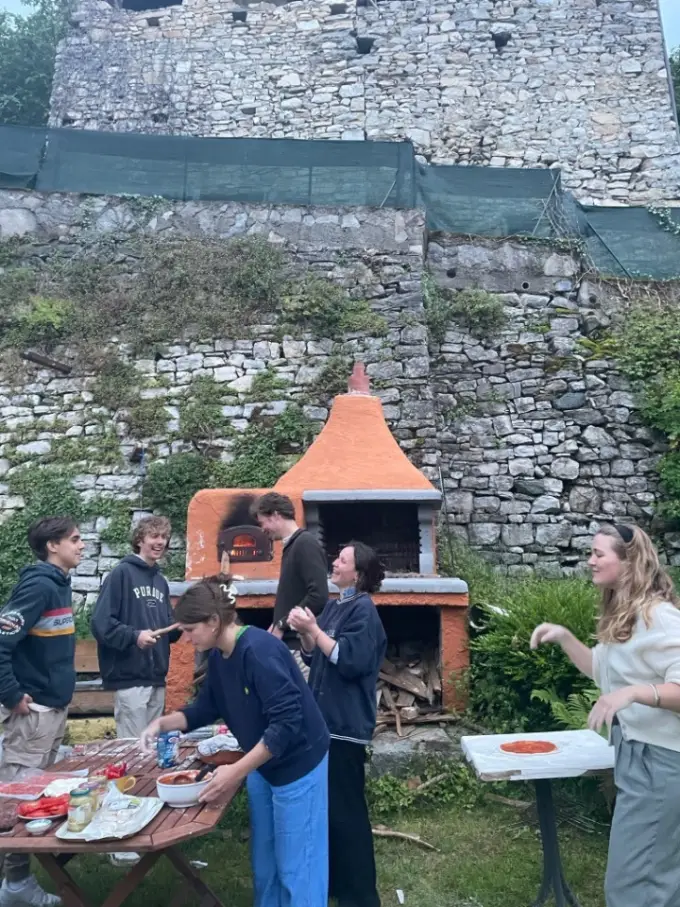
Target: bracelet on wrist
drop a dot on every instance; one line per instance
(657, 698)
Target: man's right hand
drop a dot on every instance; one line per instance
(146, 639)
(21, 708)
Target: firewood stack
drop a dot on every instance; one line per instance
(409, 688)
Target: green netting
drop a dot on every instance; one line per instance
(278, 171)
(20, 152)
(489, 201)
(482, 201)
(632, 242)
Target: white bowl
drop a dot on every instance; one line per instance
(180, 795)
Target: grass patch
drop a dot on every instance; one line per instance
(486, 860)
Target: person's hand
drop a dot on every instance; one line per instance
(21, 708)
(303, 621)
(548, 633)
(222, 787)
(148, 738)
(146, 639)
(608, 705)
(275, 631)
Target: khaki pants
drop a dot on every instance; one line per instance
(135, 708)
(30, 741)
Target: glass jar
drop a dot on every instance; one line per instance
(100, 784)
(80, 810)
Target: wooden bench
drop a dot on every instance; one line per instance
(89, 699)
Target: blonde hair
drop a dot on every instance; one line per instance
(643, 583)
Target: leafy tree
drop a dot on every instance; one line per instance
(28, 45)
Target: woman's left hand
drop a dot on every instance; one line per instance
(608, 705)
(302, 620)
(223, 786)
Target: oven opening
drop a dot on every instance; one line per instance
(391, 528)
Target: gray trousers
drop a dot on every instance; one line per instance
(30, 742)
(135, 708)
(643, 869)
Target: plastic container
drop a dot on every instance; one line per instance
(179, 796)
(80, 810)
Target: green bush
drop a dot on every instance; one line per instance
(504, 672)
(171, 484)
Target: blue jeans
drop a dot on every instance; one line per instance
(289, 840)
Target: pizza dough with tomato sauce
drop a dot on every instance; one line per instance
(528, 747)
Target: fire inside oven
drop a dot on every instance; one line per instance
(246, 543)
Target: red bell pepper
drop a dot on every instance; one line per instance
(118, 770)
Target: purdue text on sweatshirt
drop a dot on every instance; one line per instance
(37, 639)
(134, 597)
(260, 693)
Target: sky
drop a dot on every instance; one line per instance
(670, 11)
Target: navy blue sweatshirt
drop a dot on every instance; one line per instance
(135, 596)
(345, 691)
(261, 695)
(37, 639)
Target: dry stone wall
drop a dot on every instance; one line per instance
(538, 437)
(539, 430)
(580, 84)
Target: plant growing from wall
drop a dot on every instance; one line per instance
(200, 413)
(438, 308)
(149, 290)
(267, 386)
(480, 312)
(116, 385)
(148, 418)
(319, 306)
(648, 352)
(332, 379)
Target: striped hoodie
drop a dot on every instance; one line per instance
(37, 639)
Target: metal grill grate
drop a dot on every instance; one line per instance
(390, 528)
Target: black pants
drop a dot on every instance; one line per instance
(352, 861)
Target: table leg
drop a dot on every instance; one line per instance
(553, 876)
(123, 889)
(182, 865)
(69, 891)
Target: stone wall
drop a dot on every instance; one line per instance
(376, 255)
(537, 436)
(539, 432)
(580, 84)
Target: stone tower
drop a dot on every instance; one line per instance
(582, 84)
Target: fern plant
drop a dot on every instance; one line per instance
(573, 712)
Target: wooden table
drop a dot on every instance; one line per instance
(578, 753)
(160, 838)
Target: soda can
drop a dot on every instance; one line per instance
(167, 749)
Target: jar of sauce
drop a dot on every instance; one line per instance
(80, 810)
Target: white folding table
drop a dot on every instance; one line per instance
(578, 753)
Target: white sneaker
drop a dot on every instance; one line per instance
(30, 894)
(121, 859)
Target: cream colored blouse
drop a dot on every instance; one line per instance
(651, 655)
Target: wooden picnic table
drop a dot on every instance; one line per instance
(161, 837)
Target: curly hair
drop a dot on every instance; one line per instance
(643, 583)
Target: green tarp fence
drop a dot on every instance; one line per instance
(478, 201)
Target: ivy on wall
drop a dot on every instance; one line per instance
(647, 347)
(149, 290)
